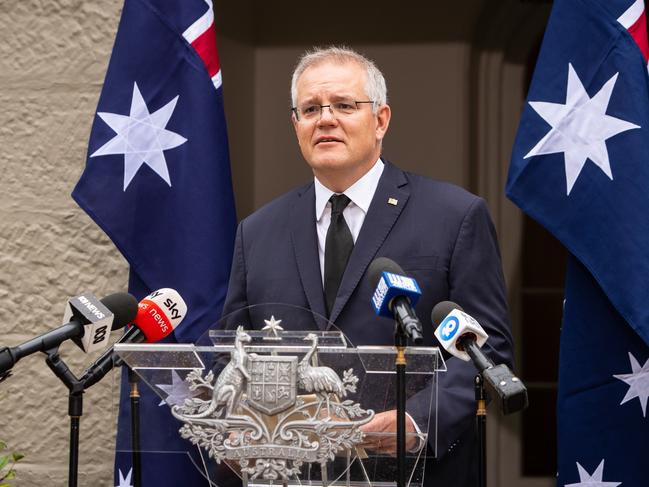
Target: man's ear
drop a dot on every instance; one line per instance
(294, 120)
(383, 121)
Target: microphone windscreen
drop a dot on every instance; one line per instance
(381, 265)
(123, 307)
(160, 313)
(441, 311)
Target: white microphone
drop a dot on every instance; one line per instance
(462, 336)
(456, 327)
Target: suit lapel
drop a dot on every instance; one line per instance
(380, 219)
(305, 246)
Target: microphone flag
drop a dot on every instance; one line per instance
(456, 324)
(157, 181)
(580, 167)
(88, 309)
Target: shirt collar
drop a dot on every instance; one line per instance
(360, 193)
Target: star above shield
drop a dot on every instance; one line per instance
(272, 327)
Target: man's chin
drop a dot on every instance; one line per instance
(326, 164)
(329, 151)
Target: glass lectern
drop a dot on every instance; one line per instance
(281, 397)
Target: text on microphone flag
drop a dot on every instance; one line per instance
(388, 287)
(379, 294)
(160, 313)
(403, 282)
(99, 318)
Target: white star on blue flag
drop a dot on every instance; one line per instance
(141, 137)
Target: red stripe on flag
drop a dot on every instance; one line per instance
(205, 45)
(639, 33)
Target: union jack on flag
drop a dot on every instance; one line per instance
(580, 166)
(157, 181)
(634, 19)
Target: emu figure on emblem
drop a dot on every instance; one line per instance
(318, 379)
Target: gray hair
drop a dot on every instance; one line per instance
(375, 88)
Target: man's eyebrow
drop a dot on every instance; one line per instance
(310, 99)
(344, 96)
(315, 99)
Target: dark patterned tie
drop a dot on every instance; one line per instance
(338, 247)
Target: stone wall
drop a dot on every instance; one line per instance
(53, 57)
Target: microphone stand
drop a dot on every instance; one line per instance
(400, 342)
(76, 388)
(135, 427)
(5, 375)
(503, 386)
(481, 429)
(75, 407)
(406, 326)
(481, 364)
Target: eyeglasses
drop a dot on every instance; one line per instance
(339, 109)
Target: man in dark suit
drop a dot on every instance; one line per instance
(312, 248)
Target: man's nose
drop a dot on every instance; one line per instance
(327, 116)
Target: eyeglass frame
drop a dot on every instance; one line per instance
(329, 106)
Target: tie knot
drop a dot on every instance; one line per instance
(338, 203)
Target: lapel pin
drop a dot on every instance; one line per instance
(393, 201)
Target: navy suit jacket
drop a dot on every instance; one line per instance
(438, 233)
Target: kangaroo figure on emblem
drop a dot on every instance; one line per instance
(230, 383)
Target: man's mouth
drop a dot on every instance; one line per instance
(321, 140)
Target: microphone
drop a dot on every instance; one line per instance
(157, 316)
(90, 322)
(455, 327)
(462, 336)
(395, 295)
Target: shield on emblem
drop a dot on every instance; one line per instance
(272, 384)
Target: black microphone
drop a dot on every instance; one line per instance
(111, 313)
(157, 316)
(462, 336)
(394, 296)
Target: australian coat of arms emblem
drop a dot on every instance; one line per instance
(273, 414)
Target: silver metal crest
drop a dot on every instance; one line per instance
(272, 414)
(271, 388)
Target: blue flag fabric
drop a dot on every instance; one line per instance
(580, 166)
(601, 419)
(158, 182)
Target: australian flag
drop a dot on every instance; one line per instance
(158, 182)
(580, 166)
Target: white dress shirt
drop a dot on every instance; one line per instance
(360, 193)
